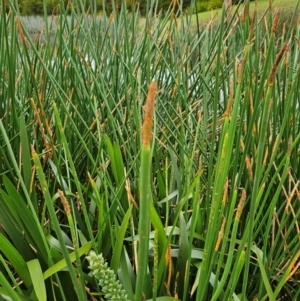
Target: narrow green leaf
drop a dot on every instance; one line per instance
(127, 274)
(176, 171)
(15, 259)
(27, 221)
(259, 255)
(37, 278)
(8, 293)
(115, 261)
(26, 160)
(63, 264)
(12, 229)
(119, 166)
(183, 255)
(115, 160)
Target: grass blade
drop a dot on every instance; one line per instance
(36, 275)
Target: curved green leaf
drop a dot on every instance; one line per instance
(37, 278)
(15, 259)
(62, 263)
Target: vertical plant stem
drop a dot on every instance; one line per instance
(260, 153)
(145, 193)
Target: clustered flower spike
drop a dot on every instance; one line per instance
(111, 287)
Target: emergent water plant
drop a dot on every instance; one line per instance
(199, 203)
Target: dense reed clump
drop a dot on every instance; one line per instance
(195, 199)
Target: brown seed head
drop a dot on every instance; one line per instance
(241, 67)
(221, 233)
(149, 111)
(252, 25)
(276, 63)
(64, 202)
(241, 204)
(20, 29)
(275, 21)
(246, 10)
(230, 98)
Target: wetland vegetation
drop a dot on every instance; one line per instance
(192, 195)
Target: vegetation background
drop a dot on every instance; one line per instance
(36, 7)
(150, 157)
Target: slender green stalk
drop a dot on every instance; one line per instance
(228, 266)
(145, 194)
(260, 150)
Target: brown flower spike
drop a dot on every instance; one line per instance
(276, 63)
(148, 119)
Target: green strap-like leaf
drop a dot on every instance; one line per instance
(62, 263)
(26, 160)
(15, 259)
(37, 279)
(8, 294)
(263, 271)
(115, 262)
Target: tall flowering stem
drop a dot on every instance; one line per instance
(145, 193)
